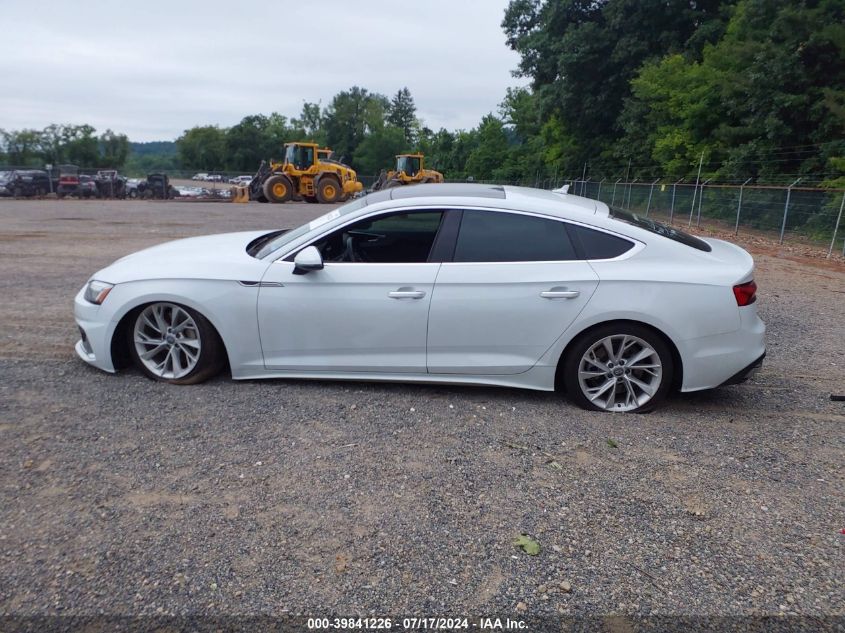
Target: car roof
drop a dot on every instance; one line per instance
(554, 203)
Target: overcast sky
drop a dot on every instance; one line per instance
(152, 69)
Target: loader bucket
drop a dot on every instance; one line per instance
(240, 195)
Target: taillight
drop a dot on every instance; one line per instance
(746, 293)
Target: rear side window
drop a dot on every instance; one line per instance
(598, 245)
(661, 229)
(494, 236)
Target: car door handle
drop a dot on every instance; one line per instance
(562, 293)
(406, 294)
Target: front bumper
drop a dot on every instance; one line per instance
(94, 346)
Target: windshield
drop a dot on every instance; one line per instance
(661, 229)
(300, 156)
(409, 164)
(288, 237)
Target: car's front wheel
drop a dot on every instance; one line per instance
(175, 344)
(621, 367)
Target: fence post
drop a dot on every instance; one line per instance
(598, 195)
(630, 188)
(613, 198)
(584, 187)
(739, 206)
(672, 208)
(694, 191)
(700, 200)
(786, 209)
(650, 192)
(836, 228)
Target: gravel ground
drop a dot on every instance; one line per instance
(124, 496)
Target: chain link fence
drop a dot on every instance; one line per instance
(794, 214)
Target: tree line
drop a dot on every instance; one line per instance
(616, 88)
(63, 144)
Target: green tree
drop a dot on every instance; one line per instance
(485, 160)
(773, 81)
(352, 115)
(311, 122)
(378, 150)
(80, 145)
(203, 147)
(115, 149)
(582, 55)
(402, 114)
(52, 144)
(22, 147)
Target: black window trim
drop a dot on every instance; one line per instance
(446, 240)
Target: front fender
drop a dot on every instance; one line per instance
(228, 305)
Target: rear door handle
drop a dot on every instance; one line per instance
(406, 294)
(560, 293)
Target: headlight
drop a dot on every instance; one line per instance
(97, 291)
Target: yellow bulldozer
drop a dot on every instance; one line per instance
(306, 173)
(410, 170)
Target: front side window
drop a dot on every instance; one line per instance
(386, 239)
(271, 242)
(493, 236)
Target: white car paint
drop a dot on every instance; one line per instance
(475, 323)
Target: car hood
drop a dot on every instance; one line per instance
(221, 256)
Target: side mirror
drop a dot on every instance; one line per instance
(306, 260)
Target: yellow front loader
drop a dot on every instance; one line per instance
(306, 173)
(410, 170)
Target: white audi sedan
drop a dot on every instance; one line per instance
(440, 283)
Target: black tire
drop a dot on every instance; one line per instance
(261, 198)
(329, 190)
(18, 192)
(310, 199)
(212, 356)
(278, 188)
(60, 195)
(587, 340)
(133, 193)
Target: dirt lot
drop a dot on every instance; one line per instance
(122, 496)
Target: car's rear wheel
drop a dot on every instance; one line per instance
(175, 344)
(621, 367)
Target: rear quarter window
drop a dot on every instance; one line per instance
(599, 245)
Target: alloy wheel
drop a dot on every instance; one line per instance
(620, 373)
(167, 340)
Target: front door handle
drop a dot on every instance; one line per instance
(560, 293)
(403, 293)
